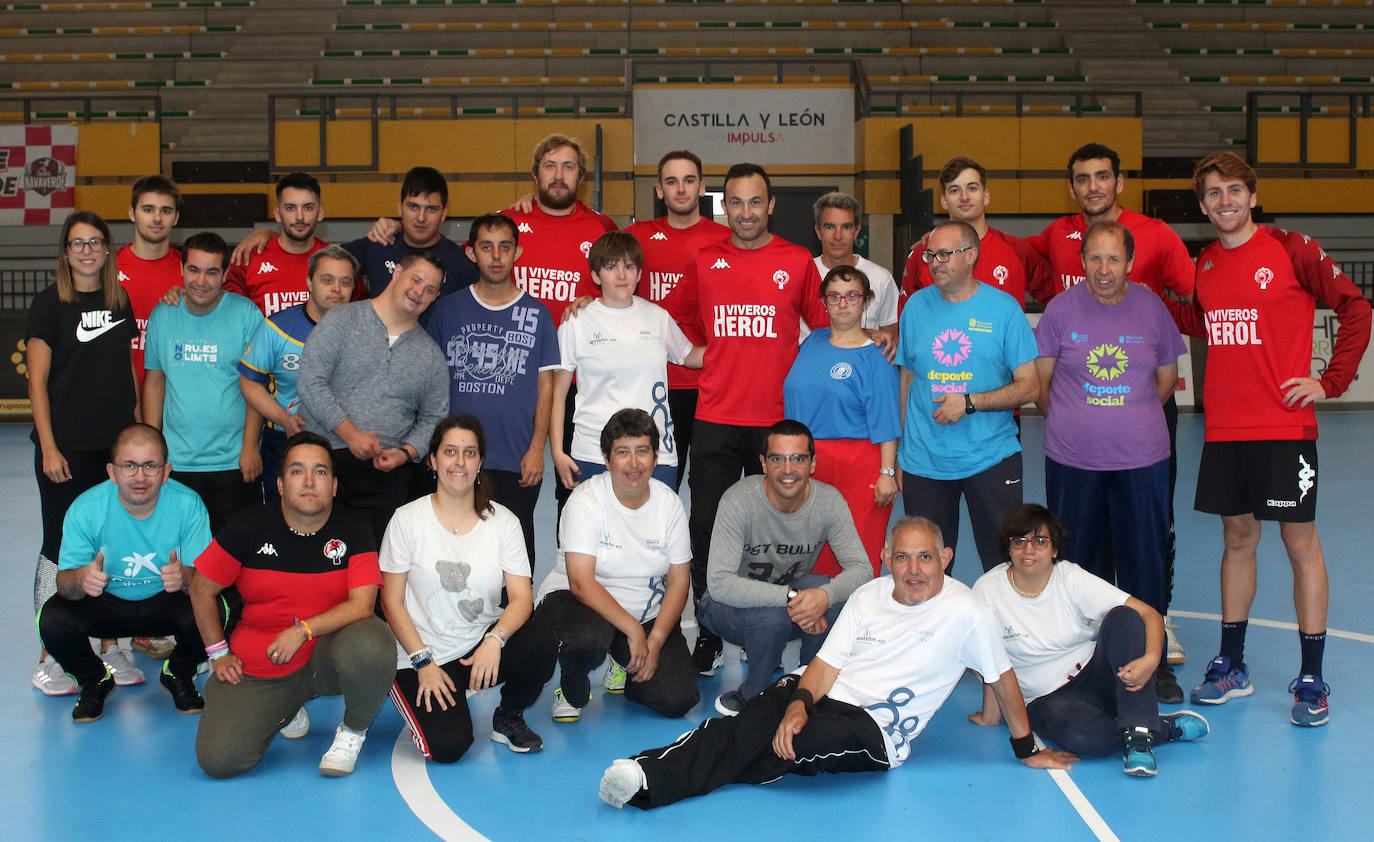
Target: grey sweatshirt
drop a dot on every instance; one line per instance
(756, 551)
(350, 371)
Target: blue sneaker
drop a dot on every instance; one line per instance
(1222, 683)
(1138, 755)
(1309, 701)
(1186, 725)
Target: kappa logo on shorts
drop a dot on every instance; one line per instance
(1306, 475)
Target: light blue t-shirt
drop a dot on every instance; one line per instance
(202, 414)
(135, 551)
(273, 356)
(955, 349)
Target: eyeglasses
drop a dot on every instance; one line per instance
(834, 298)
(782, 459)
(128, 469)
(94, 244)
(942, 256)
(1041, 541)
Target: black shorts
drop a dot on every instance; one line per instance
(1272, 480)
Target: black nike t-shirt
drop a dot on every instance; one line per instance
(91, 381)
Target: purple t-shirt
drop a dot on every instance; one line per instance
(1105, 413)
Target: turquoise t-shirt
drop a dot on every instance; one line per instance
(135, 550)
(202, 414)
(956, 349)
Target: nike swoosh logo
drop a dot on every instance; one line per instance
(87, 334)
(1010, 481)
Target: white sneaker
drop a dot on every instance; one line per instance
(299, 725)
(121, 664)
(50, 680)
(343, 754)
(563, 711)
(622, 780)
(614, 679)
(1173, 650)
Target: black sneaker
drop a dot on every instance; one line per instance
(1167, 691)
(508, 727)
(184, 693)
(90, 705)
(707, 654)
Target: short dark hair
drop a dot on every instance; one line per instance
(426, 255)
(134, 432)
(1227, 165)
(492, 221)
(301, 181)
(1109, 226)
(788, 427)
(208, 242)
(306, 438)
(954, 166)
(422, 180)
(613, 246)
(745, 171)
(848, 273)
(482, 489)
(1089, 151)
(334, 252)
(628, 423)
(155, 184)
(1026, 519)
(679, 155)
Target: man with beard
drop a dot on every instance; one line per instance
(277, 277)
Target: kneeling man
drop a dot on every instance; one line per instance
(760, 588)
(120, 572)
(895, 653)
(308, 575)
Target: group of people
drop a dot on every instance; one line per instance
(325, 460)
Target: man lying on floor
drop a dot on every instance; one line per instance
(892, 658)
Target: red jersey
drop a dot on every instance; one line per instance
(1255, 304)
(1161, 259)
(553, 267)
(146, 281)
(667, 251)
(274, 279)
(749, 304)
(1004, 262)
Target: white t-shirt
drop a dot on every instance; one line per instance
(633, 547)
(900, 662)
(1052, 637)
(453, 582)
(621, 358)
(882, 310)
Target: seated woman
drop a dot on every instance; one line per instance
(1083, 650)
(620, 579)
(444, 560)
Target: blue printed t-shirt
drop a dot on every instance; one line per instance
(135, 550)
(494, 357)
(203, 412)
(273, 356)
(379, 263)
(958, 348)
(843, 393)
(1105, 413)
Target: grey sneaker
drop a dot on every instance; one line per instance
(299, 725)
(50, 680)
(1173, 650)
(121, 664)
(343, 754)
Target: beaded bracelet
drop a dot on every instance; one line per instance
(420, 657)
(217, 650)
(496, 636)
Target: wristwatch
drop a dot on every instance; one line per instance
(969, 408)
(888, 472)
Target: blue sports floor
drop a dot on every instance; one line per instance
(133, 775)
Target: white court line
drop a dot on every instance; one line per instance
(1084, 807)
(409, 770)
(1275, 624)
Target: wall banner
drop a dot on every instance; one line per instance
(37, 174)
(805, 126)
